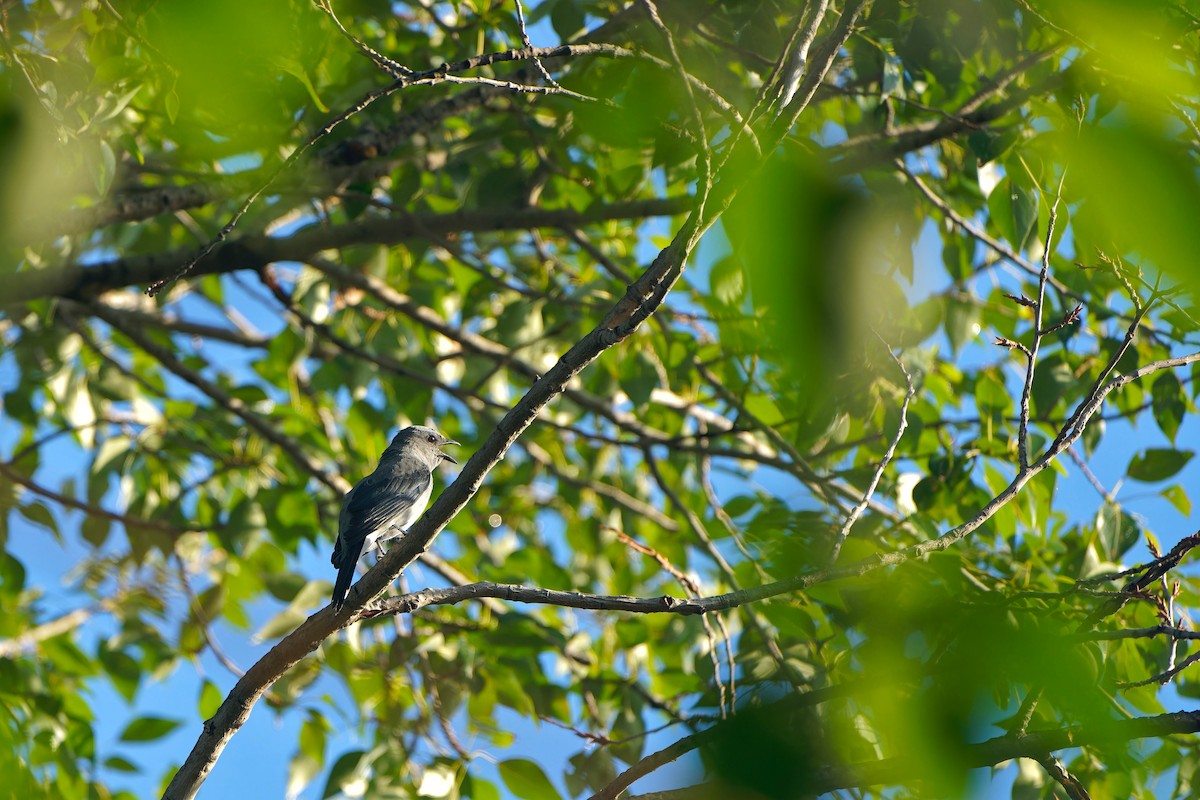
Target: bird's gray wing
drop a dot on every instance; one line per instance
(374, 503)
(387, 496)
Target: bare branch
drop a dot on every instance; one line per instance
(27, 641)
(889, 453)
(1039, 306)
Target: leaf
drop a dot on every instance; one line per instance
(991, 395)
(727, 281)
(591, 771)
(301, 771)
(121, 765)
(117, 106)
(477, 788)
(37, 513)
(962, 323)
(1178, 498)
(105, 169)
(1117, 531)
(295, 68)
(95, 530)
(567, 19)
(343, 773)
(526, 780)
(122, 669)
(312, 737)
(764, 408)
(1158, 464)
(282, 623)
(147, 729)
(989, 144)
(210, 699)
(12, 573)
(1167, 402)
(1012, 210)
(1051, 383)
(892, 84)
(639, 378)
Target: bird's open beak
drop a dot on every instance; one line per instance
(447, 456)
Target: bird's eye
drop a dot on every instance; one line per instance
(432, 439)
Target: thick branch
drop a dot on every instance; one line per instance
(413, 601)
(256, 251)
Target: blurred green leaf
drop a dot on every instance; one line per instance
(147, 729)
(526, 780)
(1158, 464)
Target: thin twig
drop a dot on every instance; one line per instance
(1038, 309)
(537, 62)
(1109, 497)
(888, 454)
(386, 64)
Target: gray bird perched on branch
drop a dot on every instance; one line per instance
(382, 505)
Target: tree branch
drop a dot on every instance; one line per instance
(252, 252)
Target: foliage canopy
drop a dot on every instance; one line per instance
(804, 315)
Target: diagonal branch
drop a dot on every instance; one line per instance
(641, 300)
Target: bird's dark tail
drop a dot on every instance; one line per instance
(342, 585)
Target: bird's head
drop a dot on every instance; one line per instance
(423, 442)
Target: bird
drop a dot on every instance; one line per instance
(385, 503)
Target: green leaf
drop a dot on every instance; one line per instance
(1168, 403)
(892, 84)
(37, 513)
(12, 573)
(122, 669)
(282, 623)
(210, 699)
(343, 771)
(147, 729)
(1158, 464)
(1117, 531)
(727, 281)
(590, 771)
(566, 18)
(121, 765)
(639, 378)
(1051, 383)
(962, 323)
(1013, 211)
(477, 788)
(989, 144)
(312, 737)
(1178, 498)
(526, 780)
